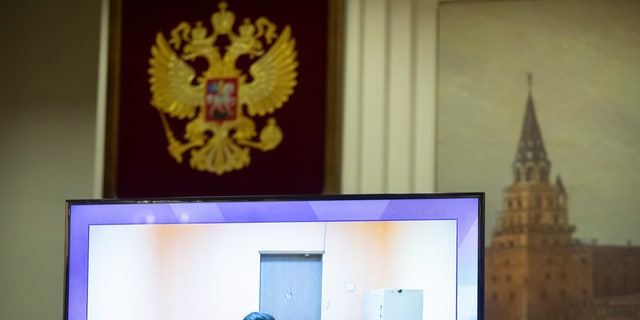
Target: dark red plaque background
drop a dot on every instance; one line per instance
(137, 162)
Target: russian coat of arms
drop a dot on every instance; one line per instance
(219, 101)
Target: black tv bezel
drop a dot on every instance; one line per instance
(480, 196)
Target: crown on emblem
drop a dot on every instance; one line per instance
(222, 20)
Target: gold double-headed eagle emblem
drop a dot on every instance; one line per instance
(219, 102)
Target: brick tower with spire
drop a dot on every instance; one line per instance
(533, 269)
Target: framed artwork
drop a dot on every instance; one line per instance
(537, 106)
(223, 98)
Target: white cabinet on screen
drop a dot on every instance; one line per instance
(392, 304)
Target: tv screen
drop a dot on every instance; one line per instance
(339, 257)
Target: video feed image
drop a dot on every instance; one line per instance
(300, 270)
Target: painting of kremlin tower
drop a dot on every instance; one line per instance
(538, 106)
(534, 267)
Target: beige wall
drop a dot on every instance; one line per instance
(129, 258)
(50, 100)
(48, 65)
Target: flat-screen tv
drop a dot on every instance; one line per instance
(302, 257)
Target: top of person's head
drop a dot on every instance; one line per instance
(259, 316)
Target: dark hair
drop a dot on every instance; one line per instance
(259, 316)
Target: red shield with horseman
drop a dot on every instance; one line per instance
(221, 99)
